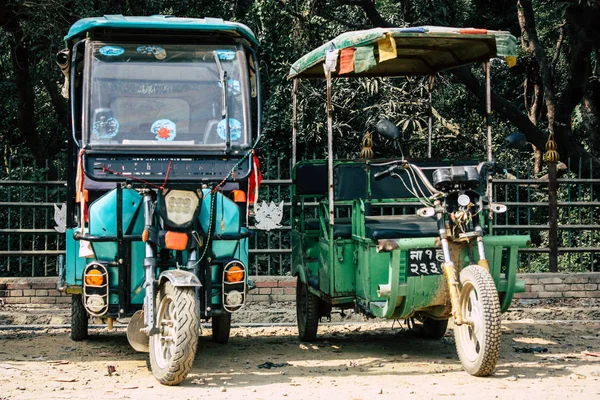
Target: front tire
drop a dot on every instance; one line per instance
(478, 343)
(307, 312)
(221, 326)
(79, 319)
(173, 348)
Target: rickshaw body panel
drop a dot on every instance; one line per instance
(102, 222)
(347, 270)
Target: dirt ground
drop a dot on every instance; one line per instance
(545, 355)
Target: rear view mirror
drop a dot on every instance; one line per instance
(515, 140)
(388, 129)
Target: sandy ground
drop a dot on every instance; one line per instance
(352, 359)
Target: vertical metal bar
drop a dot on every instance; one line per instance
(488, 121)
(269, 232)
(46, 218)
(430, 119)
(294, 121)
(329, 148)
(552, 218)
(279, 237)
(593, 233)
(9, 214)
(33, 214)
(20, 214)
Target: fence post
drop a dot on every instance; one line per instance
(553, 217)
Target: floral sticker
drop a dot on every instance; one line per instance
(111, 51)
(155, 51)
(235, 129)
(226, 55)
(233, 86)
(105, 128)
(164, 129)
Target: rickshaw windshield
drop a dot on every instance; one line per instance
(165, 96)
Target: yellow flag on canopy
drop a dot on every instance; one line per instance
(387, 48)
(511, 61)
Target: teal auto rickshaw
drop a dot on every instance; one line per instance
(419, 247)
(165, 114)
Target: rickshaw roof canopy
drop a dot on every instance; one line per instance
(405, 51)
(162, 22)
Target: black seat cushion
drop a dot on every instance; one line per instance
(400, 227)
(342, 227)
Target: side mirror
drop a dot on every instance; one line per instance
(388, 129)
(515, 140)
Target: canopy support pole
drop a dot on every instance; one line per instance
(488, 122)
(430, 117)
(329, 147)
(294, 117)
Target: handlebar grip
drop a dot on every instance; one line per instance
(382, 174)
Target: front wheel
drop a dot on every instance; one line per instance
(478, 339)
(307, 312)
(173, 347)
(221, 326)
(79, 319)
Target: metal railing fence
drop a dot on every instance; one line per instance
(29, 244)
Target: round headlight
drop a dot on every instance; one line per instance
(464, 200)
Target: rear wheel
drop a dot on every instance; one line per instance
(79, 319)
(307, 312)
(221, 326)
(434, 328)
(173, 348)
(478, 340)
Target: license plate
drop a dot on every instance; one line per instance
(425, 262)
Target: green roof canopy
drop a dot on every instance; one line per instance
(419, 51)
(162, 22)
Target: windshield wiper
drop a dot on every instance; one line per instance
(225, 109)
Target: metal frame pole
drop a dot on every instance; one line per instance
(430, 119)
(294, 120)
(488, 121)
(329, 148)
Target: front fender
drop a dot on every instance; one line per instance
(178, 277)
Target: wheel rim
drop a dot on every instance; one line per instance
(471, 335)
(164, 340)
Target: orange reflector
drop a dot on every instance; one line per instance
(239, 196)
(94, 278)
(176, 240)
(473, 31)
(145, 235)
(235, 274)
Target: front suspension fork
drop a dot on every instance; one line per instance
(451, 269)
(150, 263)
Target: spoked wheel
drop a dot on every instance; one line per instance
(221, 326)
(79, 319)
(173, 348)
(307, 312)
(434, 328)
(478, 340)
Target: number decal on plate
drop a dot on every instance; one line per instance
(425, 262)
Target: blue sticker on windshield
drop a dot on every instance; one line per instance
(233, 86)
(235, 129)
(226, 55)
(164, 129)
(105, 128)
(111, 51)
(155, 51)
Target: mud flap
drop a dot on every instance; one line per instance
(138, 340)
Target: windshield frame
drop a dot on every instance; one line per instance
(171, 147)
